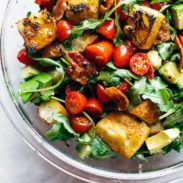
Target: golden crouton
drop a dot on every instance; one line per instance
(123, 133)
(47, 109)
(144, 25)
(118, 97)
(147, 111)
(79, 10)
(38, 30)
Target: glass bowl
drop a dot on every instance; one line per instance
(24, 118)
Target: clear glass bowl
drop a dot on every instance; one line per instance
(25, 120)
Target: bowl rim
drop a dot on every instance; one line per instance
(45, 150)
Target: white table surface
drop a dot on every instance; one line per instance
(18, 162)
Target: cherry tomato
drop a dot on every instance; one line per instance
(147, 4)
(80, 123)
(121, 13)
(150, 74)
(157, 6)
(45, 4)
(23, 57)
(131, 45)
(94, 107)
(101, 94)
(75, 102)
(124, 86)
(100, 52)
(122, 55)
(63, 29)
(181, 39)
(108, 29)
(140, 64)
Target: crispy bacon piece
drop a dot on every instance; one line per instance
(80, 68)
(180, 46)
(118, 97)
(59, 9)
(106, 6)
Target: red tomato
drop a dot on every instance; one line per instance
(181, 39)
(63, 29)
(94, 107)
(124, 86)
(140, 64)
(45, 4)
(157, 6)
(101, 94)
(122, 55)
(23, 57)
(150, 74)
(75, 102)
(100, 52)
(121, 13)
(131, 45)
(80, 123)
(146, 3)
(108, 29)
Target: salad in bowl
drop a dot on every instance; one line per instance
(106, 73)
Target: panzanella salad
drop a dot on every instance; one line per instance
(108, 73)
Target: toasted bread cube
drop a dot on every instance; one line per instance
(38, 30)
(47, 109)
(156, 128)
(144, 25)
(123, 133)
(147, 111)
(80, 10)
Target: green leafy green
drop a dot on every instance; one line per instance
(101, 150)
(62, 129)
(157, 91)
(134, 97)
(166, 49)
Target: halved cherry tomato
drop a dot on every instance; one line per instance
(100, 52)
(124, 86)
(157, 6)
(146, 3)
(101, 94)
(140, 64)
(181, 39)
(131, 45)
(121, 13)
(80, 123)
(150, 74)
(23, 57)
(63, 29)
(122, 55)
(75, 102)
(45, 4)
(108, 29)
(94, 107)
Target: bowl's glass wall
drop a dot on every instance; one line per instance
(12, 43)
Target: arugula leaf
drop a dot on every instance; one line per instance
(109, 78)
(160, 1)
(134, 97)
(101, 150)
(166, 49)
(156, 90)
(178, 95)
(62, 129)
(58, 132)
